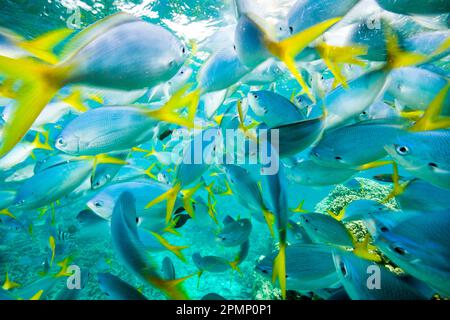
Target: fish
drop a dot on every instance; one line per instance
(108, 129)
(308, 173)
(13, 45)
(104, 173)
(428, 43)
(54, 111)
(103, 202)
(352, 146)
(322, 228)
(22, 151)
(354, 274)
(298, 136)
(222, 70)
(87, 60)
(378, 110)
(7, 198)
(165, 90)
(361, 209)
(21, 174)
(213, 264)
(212, 296)
(273, 109)
(216, 264)
(55, 183)
(234, 232)
(88, 219)
(278, 196)
(415, 6)
(248, 192)
(254, 45)
(305, 14)
(266, 73)
(415, 88)
(416, 196)
(308, 267)
(117, 289)
(404, 245)
(168, 269)
(188, 172)
(424, 155)
(129, 248)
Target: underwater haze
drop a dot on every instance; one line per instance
(224, 150)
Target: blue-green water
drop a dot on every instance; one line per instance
(24, 241)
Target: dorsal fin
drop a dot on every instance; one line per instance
(228, 219)
(93, 31)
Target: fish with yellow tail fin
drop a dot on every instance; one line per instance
(359, 210)
(22, 151)
(152, 219)
(353, 272)
(8, 284)
(176, 250)
(14, 46)
(307, 13)
(216, 264)
(42, 286)
(117, 128)
(254, 45)
(431, 119)
(234, 232)
(308, 267)
(278, 196)
(403, 245)
(309, 173)
(345, 103)
(117, 289)
(52, 244)
(249, 194)
(130, 251)
(355, 145)
(91, 58)
(189, 172)
(58, 181)
(424, 155)
(299, 208)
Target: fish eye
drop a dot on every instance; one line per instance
(291, 29)
(255, 96)
(343, 269)
(183, 49)
(60, 142)
(98, 204)
(400, 251)
(384, 229)
(265, 271)
(402, 150)
(181, 72)
(234, 47)
(321, 77)
(433, 165)
(338, 158)
(315, 154)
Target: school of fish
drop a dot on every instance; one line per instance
(91, 121)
